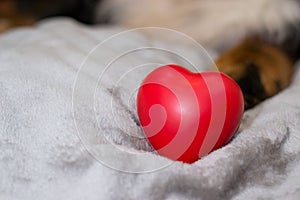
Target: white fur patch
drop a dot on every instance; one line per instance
(214, 23)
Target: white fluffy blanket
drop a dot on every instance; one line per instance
(68, 128)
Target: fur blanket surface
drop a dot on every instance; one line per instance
(69, 130)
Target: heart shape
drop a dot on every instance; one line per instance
(187, 115)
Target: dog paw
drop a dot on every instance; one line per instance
(261, 69)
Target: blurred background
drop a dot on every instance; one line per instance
(25, 12)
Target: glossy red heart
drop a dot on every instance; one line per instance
(187, 115)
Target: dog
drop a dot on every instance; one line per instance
(258, 40)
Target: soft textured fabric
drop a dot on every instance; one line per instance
(60, 115)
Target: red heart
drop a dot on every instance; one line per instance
(187, 115)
